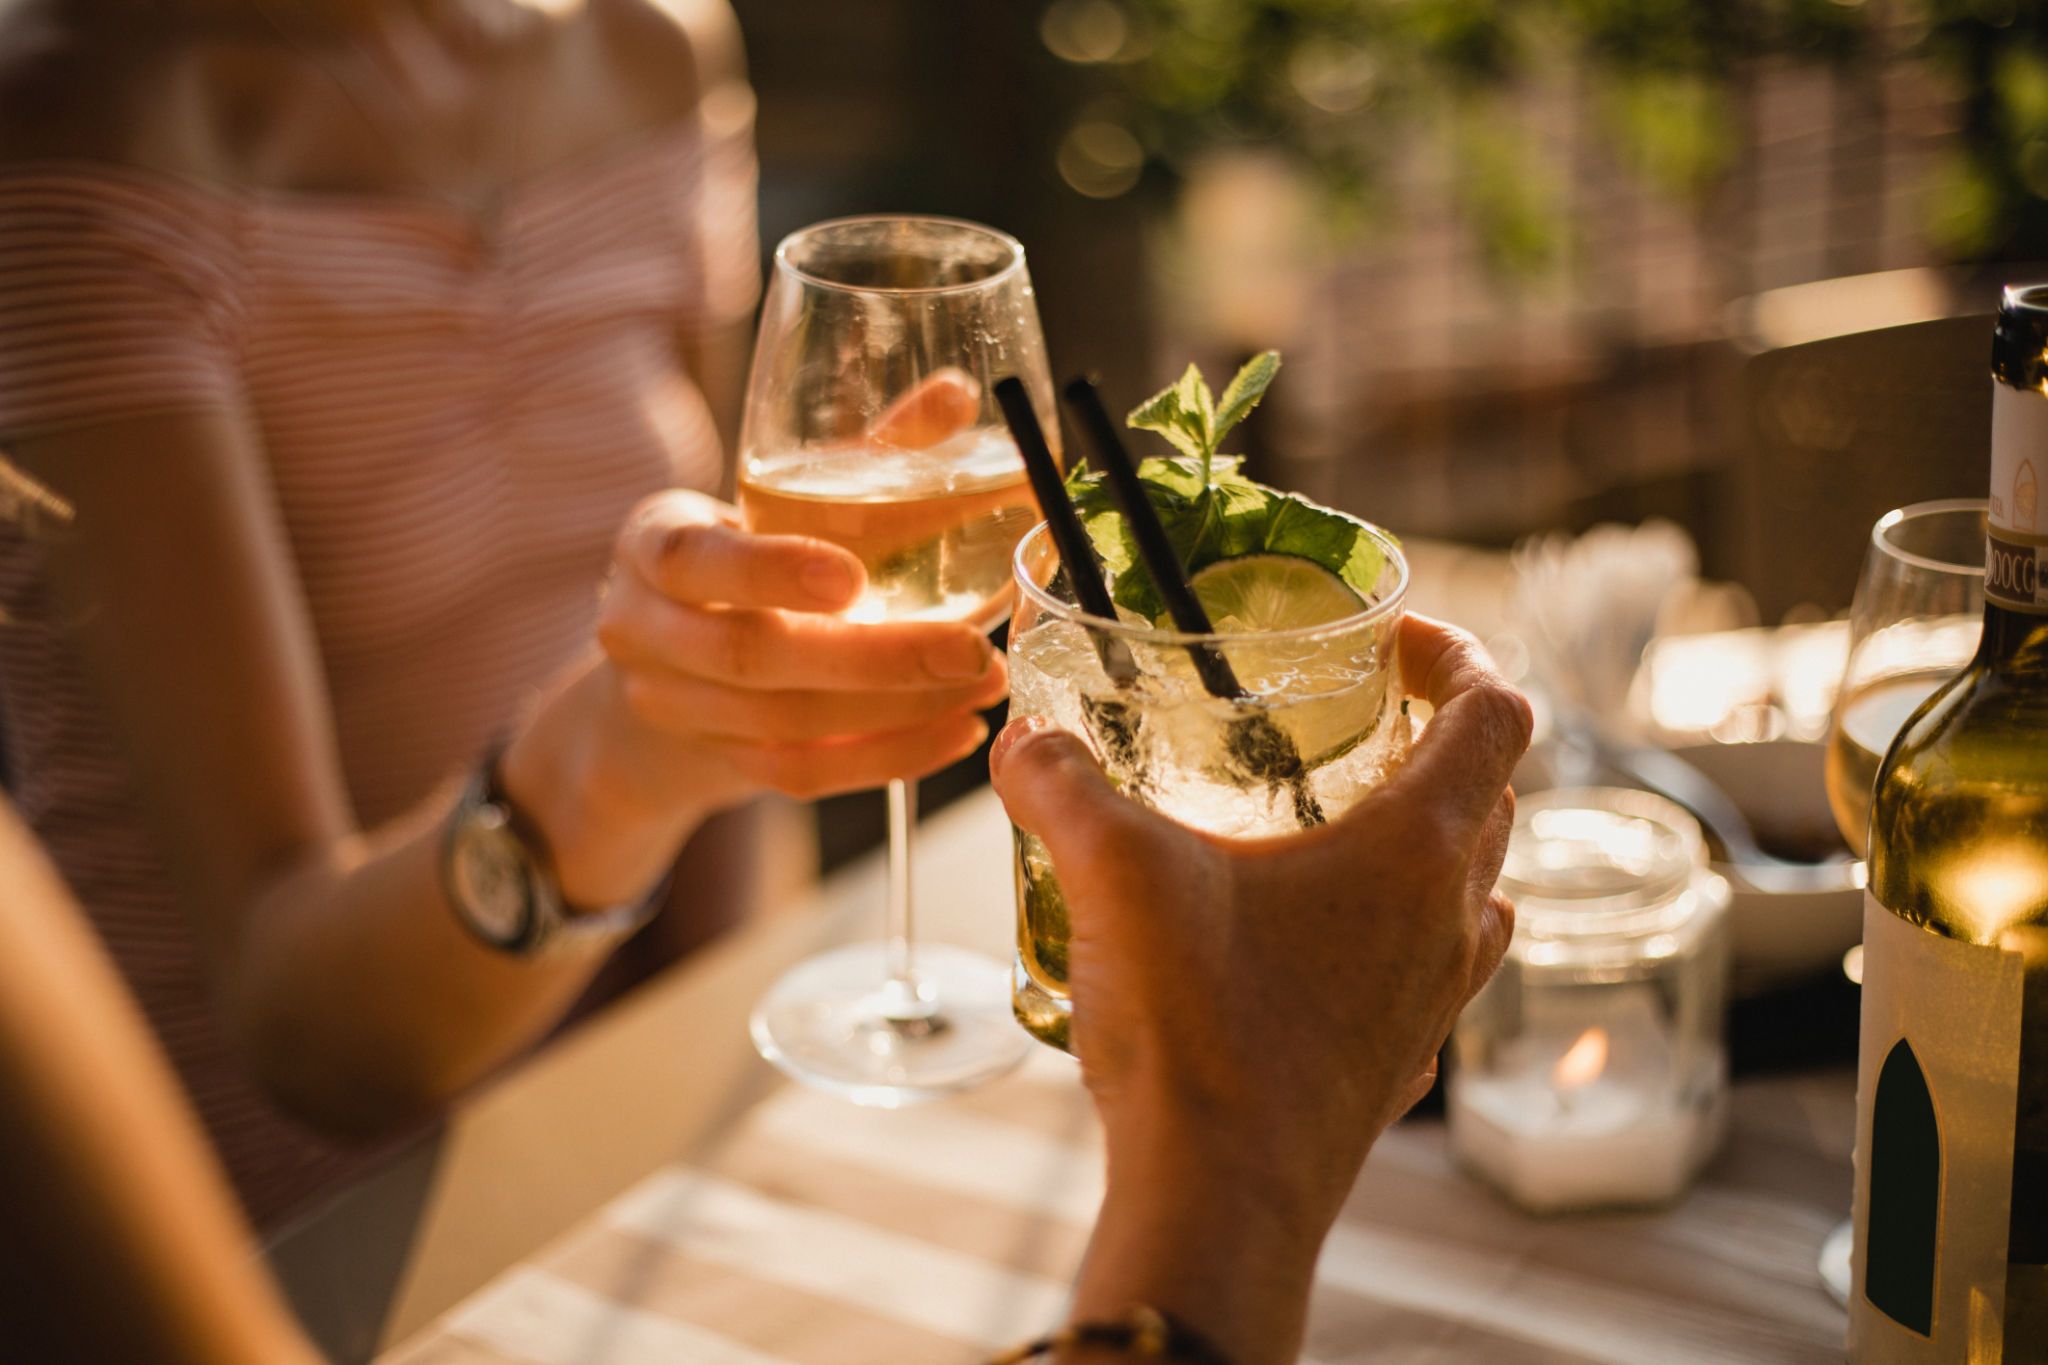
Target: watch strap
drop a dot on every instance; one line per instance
(550, 921)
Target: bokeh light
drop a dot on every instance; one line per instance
(1334, 77)
(1100, 159)
(1085, 32)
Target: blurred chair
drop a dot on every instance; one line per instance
(1858, 395)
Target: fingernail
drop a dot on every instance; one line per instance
(827, 578)
(957, 658)
(1019, 730)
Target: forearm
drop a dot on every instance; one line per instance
(113, 1196)
(362, 997)
(362, 1001)
(1179, 1233)
(614, 801)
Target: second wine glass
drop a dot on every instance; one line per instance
(871, 422)
(1918, 612)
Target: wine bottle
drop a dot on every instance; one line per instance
(1951, 1259)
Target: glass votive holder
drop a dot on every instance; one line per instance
(1591, 1071)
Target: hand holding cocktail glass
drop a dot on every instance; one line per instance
(1275, 723)
(1251, 1013)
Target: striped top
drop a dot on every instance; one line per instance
(455, 427)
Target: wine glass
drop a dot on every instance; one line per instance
(1918, 611)
(871, 421)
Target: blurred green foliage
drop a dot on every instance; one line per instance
(1342, 85)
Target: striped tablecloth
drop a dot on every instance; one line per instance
(815, 1232)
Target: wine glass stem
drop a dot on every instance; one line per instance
(900, 992)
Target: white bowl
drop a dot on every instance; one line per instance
(1779, 936)
(1782, 936)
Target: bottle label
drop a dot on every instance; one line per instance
(2019, 522)
(2012, 574)
(1936, 1098)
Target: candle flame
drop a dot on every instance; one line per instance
(1582, 1062)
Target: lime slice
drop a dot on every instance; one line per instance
(1328, 694)
(1272, 592)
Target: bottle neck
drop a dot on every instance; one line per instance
(2008, 634)
(2016, 552)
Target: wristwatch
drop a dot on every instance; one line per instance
(501, 882)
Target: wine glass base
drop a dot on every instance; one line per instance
(1834, 1261)
(835, 1023)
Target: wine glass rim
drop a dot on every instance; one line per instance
(1387, 602)
(1013, 249)
(1880, 534)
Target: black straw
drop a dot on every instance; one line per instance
(1153, 546)
(1069, 537)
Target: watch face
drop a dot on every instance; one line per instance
(490, 876)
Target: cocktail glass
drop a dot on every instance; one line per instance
(1324, 721)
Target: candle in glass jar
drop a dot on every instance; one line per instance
(1563, 1121)
(1590, 1072)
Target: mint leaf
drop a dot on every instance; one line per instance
(1184, 414)
(1175, 489)
(1181, 477)
(1244, 511)
(1244, 393)
(1196, 398)
(1179, 432)
(1221, 519)
(1190, 417)
(1158, 413)
(1339, 543)
(1209, 509)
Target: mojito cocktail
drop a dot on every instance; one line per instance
(1304, 602)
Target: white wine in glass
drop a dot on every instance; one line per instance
(1915, 623)
(1866, 721)
(934, 528)
(1917, 617)
(871, 422)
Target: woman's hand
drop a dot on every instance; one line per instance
(726, 641)
(1251, 1015)
(727, 673)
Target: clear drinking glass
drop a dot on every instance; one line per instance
(871, 422)
(1918, 613)
(1323, 723)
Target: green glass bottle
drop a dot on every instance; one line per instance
(1951, 1261)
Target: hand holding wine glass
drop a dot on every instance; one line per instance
(871, 424)
(733, 643)
(725, 671)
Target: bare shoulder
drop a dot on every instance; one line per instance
(107, 80)
(60, 91)
(674, 56)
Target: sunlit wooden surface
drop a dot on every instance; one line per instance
(788, 1227)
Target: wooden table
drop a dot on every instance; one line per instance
(648, 1192)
